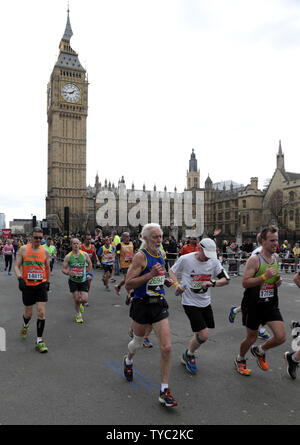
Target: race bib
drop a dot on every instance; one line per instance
(197, 281)
(108, 258)
(128, 257)
(156, 284)
(34, 274)
(77, 272)
(267, 291)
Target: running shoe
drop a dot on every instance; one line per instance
(24, 332)
(81, 308)
(295, 324)
(117, 289)
(166, 399)
(291, 366)
(41, 347)
(241, 367)
(79, 318)
(147, 343)
(263, 335)
(232, 314)
(260, 358)
(189, 362)
(128, 371)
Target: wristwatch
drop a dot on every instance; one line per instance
(213, 282)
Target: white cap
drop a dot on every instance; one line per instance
(209, 247)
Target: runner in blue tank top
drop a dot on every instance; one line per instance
(146, 276)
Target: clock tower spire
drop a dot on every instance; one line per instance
(67, 105)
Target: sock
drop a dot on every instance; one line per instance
(26, 321)
(293, 358)
(239, 358)
(164, 386)
(39, 339)
(189, 352)
(262, 330)
(40, 327)
(128, 362)
(261, 350)
(235, 310)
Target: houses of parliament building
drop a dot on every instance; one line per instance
(72, 205)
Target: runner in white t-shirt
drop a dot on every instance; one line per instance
(198, 270)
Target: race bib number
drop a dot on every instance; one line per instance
(156, 284)
(128, 257)
(34, 274)
(197, 281)
(77, 272)
(108, 258)
(267, 291)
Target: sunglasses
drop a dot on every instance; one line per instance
(38, 237)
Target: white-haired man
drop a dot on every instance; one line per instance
(146, 276)
(198, 270)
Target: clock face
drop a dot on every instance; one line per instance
(70, 92)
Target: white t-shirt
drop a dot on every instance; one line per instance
(193, 273)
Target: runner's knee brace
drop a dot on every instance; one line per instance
(135, 343)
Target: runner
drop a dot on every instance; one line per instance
(263, 334)
(260, 302)
(52, 251)
(190, 246)
(107, 254)
(75, 266)
(34, 282)
(8, 251)
(292, 359)
(149, 307)
(199, 270)
(126, 249)
(89, 248)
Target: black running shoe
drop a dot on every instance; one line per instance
(291, 366)
(166, 399)
(128, 371)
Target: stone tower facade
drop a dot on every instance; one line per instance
(67, 109)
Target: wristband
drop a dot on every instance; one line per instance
(175, 284)
(264, 277)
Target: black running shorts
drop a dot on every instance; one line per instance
(80, 287)
(255, 315)
(148, 313)
(200, 317)
(34, 294)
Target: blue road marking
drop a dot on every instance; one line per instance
(119, 372)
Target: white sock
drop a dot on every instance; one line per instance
(293, 358)
(189, 352)
(128, 362)
(261, 350)
(39, 339)
(164, 386)
(235, 310)
(262, 330)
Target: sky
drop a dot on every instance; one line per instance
(165, 77)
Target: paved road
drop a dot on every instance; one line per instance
(80, 380)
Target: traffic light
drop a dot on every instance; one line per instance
(33, 221)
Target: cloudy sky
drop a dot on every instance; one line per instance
(166, 76)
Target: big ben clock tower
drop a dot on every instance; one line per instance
(67, 107)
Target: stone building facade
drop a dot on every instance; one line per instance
(239, 211)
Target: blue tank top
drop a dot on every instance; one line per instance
(155, 286)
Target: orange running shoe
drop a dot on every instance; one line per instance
(260, 358)
(241, 367)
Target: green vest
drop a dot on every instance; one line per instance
(79, 266)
